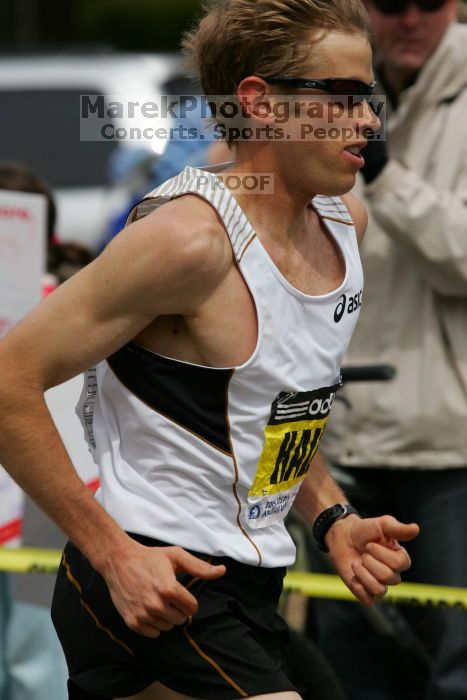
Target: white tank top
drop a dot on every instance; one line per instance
(212, 459)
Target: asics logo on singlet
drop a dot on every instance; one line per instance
(349, 304)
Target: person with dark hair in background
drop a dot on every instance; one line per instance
(19, 178)
(64, 259)
(403, 444)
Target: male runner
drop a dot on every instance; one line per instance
(210, 325)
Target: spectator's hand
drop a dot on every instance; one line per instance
(367, 555)
(146, 592)
(375, 155)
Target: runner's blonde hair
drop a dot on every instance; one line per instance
(237, 38)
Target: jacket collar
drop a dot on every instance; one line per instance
(444, 75)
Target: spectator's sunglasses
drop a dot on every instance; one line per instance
(346, 87)
(399, 7)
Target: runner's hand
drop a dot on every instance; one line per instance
(367, 555)
(144, 588)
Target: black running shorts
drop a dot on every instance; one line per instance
(234, 646)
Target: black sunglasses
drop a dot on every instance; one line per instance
(399, 7)
(333, 86)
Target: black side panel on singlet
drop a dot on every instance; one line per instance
(192, 396)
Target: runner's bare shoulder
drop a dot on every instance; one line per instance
(186, 237)
(181, 249)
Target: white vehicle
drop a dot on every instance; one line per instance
(40, 126)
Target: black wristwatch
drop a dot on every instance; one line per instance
(327, 518)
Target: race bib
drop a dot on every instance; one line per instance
(292, 436)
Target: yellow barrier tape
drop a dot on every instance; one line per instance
(29, 560)
(327, 586)
(44, 561)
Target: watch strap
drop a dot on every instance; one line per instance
(326, 519)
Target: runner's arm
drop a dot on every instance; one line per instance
(154, 267)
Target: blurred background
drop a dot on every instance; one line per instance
(50, 54)
(125, 25)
